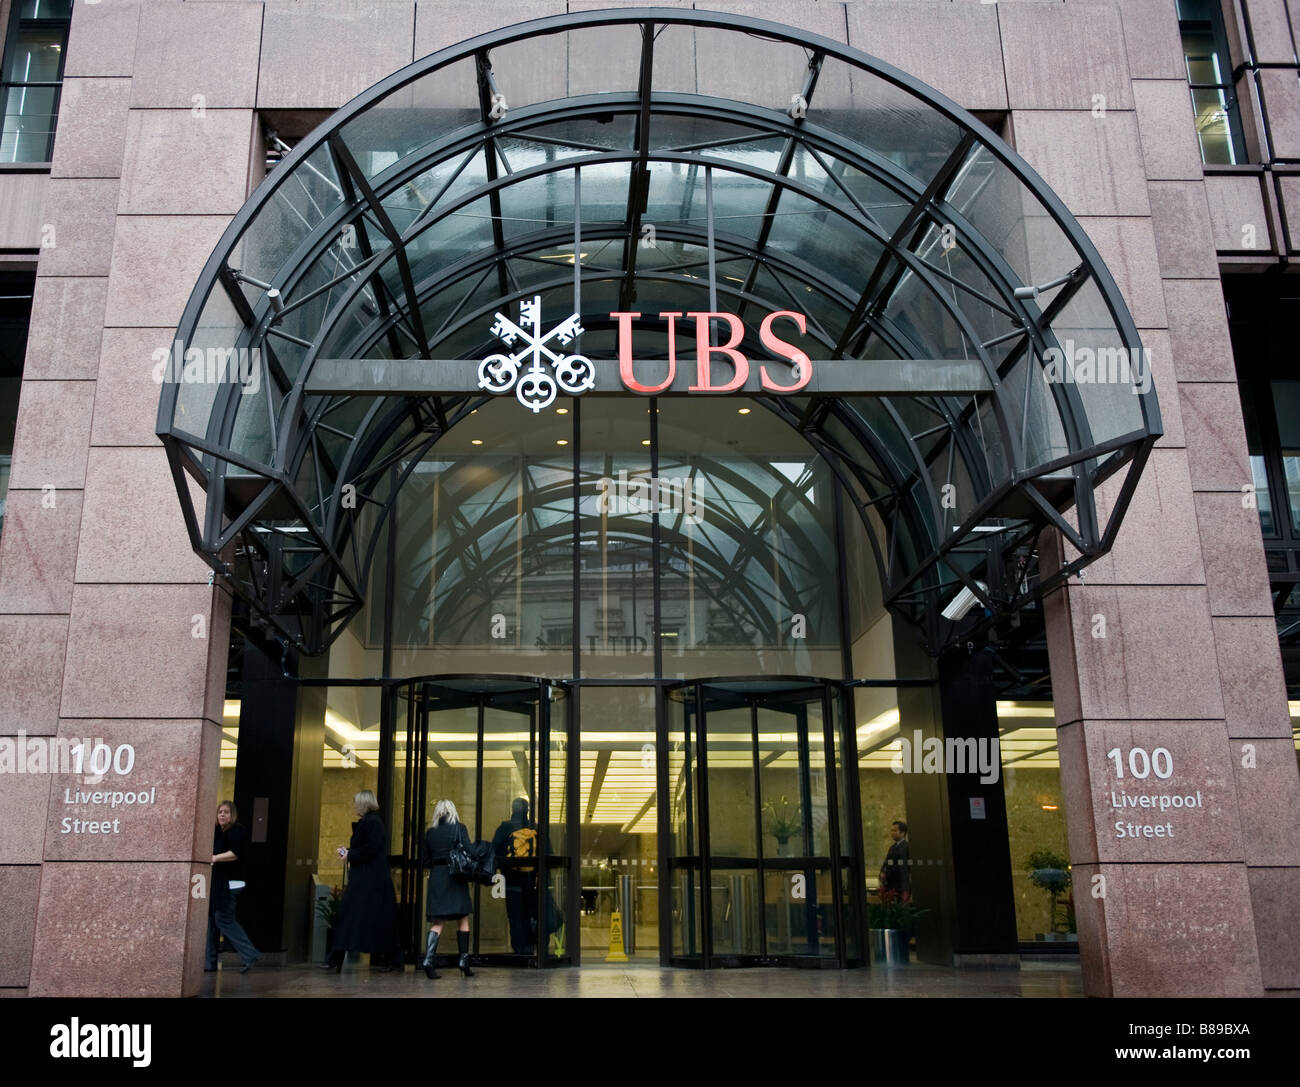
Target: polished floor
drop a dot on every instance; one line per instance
(1033, 979)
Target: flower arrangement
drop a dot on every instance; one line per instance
(783, 824)
(894, 910)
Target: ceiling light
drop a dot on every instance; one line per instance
(561, 441)
(743, 411)
(476, 441)
(645, 441)
(561, 411)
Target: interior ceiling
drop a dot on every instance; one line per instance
(776, 170)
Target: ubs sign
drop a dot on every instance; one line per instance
(538, 369)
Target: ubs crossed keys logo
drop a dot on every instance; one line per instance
(536, 388)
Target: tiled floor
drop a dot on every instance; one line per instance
(1033, 979)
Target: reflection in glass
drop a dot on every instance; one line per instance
(618, 810)
(1286, 410)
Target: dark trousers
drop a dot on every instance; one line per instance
(521, 910)
(221, 918)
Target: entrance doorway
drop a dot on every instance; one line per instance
(711, 823)
(492, 746)
(763, 838)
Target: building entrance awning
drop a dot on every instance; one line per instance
(974, 376)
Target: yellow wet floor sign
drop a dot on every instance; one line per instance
(616, 939)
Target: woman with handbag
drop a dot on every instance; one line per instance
(448, 898)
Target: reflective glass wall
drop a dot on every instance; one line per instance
(621, 538)
(624, 547)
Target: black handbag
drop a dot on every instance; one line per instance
(472, 863)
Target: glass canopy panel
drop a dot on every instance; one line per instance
(607, 131)
(1009, 219)
(803, 206)
(724, 64)
(218, 327)
(824, 239)
(536, 204)
(546, 67)
(434, 106)
(887, 122)
(300, 203)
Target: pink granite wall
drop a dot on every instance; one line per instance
(110, 630)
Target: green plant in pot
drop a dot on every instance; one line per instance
(327, 909)
(782, 823)
(1050, 871)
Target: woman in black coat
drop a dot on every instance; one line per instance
(367, 918)
(448, 898)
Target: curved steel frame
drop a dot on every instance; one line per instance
(293, 523)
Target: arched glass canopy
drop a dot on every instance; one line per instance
(660, 160)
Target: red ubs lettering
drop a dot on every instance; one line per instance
(705, 352)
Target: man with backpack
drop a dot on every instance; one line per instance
(515, 845)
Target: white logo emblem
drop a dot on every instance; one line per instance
(536, 388)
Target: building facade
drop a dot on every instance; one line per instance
(374, 417)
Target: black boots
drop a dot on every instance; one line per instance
(431, 956)
(334, 962)
(462, 945)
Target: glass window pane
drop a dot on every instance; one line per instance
(1286, 408)
(731, 782)
(510, 738)
(1212, 126)
(799, 911)
(734, 905)
(1258, 461)
(30, 114)
(484, 578)
(35, 55)
(1040, 853)
(618, 813)
(615, 547)
(46, 9)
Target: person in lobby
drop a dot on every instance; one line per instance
(447, 898)
(367, 919)
(896, 872)
(515, 846)
(229, 848)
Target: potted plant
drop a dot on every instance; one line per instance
(327, 909)
(1050, 871)
(782, 824)
(892, 920)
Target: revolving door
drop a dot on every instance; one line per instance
(763, 866)
(496, 747)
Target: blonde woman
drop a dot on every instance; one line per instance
(367, 918)
(448, 898)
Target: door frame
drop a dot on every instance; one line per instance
(839, 754)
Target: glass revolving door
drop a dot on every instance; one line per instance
(760, 870)
(496, 747)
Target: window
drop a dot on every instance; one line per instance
(33, 78)
(1209, 75)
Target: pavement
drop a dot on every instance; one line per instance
(1032, 979)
